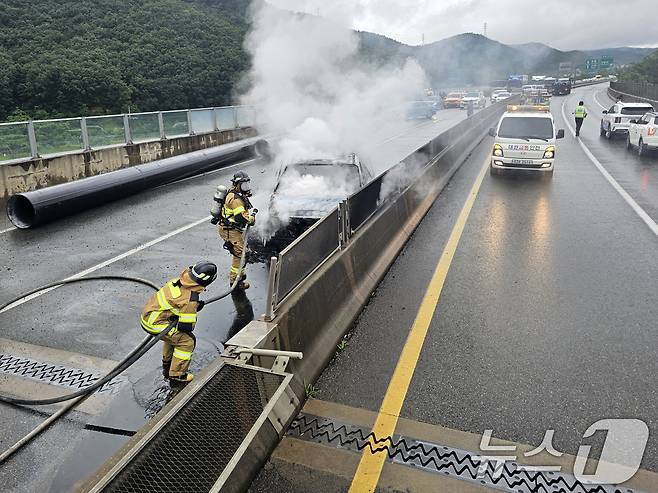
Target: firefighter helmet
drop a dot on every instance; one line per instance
(240, 177)
(203, 273)
(241, 182)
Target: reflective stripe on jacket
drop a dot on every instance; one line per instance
(234, 211)
(580, 112)
(175, 302)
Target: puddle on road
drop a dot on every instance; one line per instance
(148, 392)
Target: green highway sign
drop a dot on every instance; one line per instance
(594, 64)
(606, 62)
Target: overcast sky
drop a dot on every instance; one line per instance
(563, 24)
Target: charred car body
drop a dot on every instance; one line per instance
(307, 190)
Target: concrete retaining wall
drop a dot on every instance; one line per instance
(45, 172)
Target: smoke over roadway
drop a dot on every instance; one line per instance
(311, 87)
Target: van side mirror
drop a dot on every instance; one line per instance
(560, 134)
(605, 112)
(492, 132)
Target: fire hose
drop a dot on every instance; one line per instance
(78, 397)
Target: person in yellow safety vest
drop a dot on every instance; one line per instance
(235, 217)
(174, 308)
(580, 114)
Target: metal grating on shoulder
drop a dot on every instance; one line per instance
(440, 459)
(53, 374)
(190, 452)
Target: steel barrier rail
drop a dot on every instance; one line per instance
(640, 90)
(633, 92)
(591, 82)
(364, 203)
(28, 140)
(308, 251)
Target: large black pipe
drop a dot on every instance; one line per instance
(31, 209)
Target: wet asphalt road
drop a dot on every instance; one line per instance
(637, 175)
(100, 319)
(547, 319)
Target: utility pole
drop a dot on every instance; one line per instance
(485, 29)
(422, 40)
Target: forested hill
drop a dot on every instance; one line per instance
(645, 71)
(72, 57)
(86, 57)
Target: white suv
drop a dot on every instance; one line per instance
(525, 139)
(497, 96)
(617, 119)
(643, 133)
(476, 98)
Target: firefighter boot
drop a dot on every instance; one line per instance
(165, 368)
(182, 379)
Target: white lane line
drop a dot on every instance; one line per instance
(415, 126)
(241, 163)
(7, 230)
(597, 101)
(111, 261)
(624, 194)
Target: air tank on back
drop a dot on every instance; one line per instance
(218, 203)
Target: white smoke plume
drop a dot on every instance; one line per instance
(311, 87)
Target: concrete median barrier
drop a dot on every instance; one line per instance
(314, 317)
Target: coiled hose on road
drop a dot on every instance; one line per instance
(132, 357)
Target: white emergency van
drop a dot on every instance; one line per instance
(525, 139)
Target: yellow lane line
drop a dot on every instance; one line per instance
(370, 466)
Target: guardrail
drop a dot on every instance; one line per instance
(22, 141)
(642, 90)
(581, 83)
(639, 92)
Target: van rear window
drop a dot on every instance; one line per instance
(636, 110)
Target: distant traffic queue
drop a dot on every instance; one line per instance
(515, 84)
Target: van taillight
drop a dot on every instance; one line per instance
(618, 119)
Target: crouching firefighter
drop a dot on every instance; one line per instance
(233, 219)
(174, 308)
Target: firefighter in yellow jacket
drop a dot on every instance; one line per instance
(235, 217)
(174, 308)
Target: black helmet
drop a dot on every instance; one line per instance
(240, 177)
(241, 182)
(203, 273)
